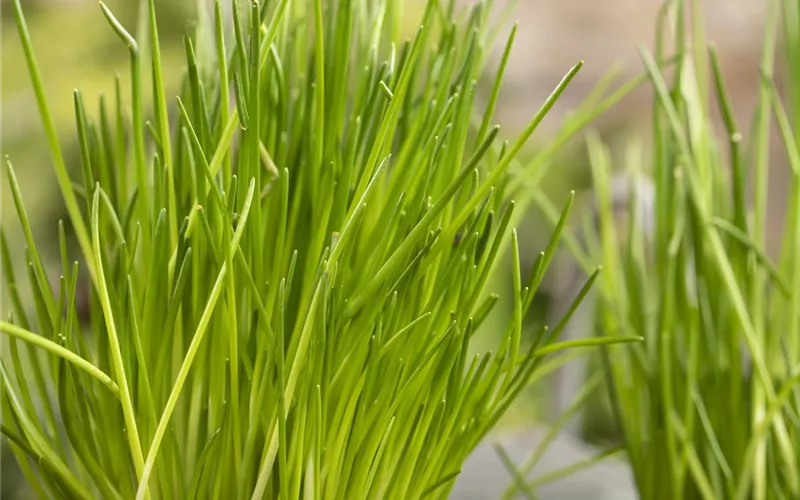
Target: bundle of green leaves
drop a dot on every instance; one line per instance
(708, 405)
(285, 272)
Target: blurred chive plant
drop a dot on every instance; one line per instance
(285, 271)
(709, 404)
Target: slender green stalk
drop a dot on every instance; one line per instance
(52, 347)
(132, 430)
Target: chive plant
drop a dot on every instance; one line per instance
(709, 404)
(286, 265)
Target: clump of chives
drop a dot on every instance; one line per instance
(285, 272)
(708, 405)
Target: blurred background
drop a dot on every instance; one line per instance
(76, 49)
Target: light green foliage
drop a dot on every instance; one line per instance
(709, 404)
(285, 273)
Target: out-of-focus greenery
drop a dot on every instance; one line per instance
(76, 50)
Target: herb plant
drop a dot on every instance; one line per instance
(709, 404)
(285, 266)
